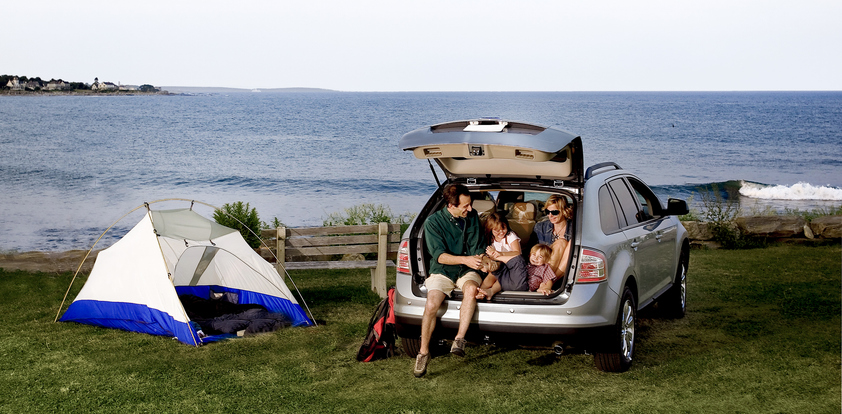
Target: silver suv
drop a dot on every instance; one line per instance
(629, 250)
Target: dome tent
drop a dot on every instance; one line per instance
(135, 284)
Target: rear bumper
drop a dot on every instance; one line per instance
(588, 306)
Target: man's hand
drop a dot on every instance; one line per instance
(474, 262)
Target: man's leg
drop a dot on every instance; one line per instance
(428, 319)
(466, 313)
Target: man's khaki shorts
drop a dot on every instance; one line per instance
(444, 284)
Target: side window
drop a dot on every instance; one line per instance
(650, 205)
(628, 206)
(607, 212)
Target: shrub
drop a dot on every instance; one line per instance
(242, 218)
(720, 214)
(274, 224)
(366, 214)
(809, 215)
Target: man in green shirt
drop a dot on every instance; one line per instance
(454, 239)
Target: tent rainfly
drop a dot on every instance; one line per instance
(135, 284)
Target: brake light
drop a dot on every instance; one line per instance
(591, 267)
(403, 256)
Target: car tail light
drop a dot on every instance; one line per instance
(591, 267)
(403, 256)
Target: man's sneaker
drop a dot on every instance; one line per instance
(458, 347)
(421, 364)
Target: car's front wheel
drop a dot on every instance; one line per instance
(617, 353)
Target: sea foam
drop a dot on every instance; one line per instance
(798, 191)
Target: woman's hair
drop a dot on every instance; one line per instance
(493, 222)
(560, 201)
(545, 251)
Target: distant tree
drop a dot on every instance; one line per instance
(147, 88)
(79, 85)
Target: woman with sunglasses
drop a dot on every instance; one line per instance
(556, 232)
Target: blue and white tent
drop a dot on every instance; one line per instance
(134, 284)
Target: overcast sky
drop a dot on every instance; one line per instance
(431, 45)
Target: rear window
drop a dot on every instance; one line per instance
(607, 212)
(628, 206)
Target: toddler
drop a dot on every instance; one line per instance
(537, 276)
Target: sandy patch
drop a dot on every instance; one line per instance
(47, 262)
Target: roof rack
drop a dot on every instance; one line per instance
(594, 169)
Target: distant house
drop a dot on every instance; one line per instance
(103, 86)
(129, 87)
(14, 84)
(33, 85)
(57, 85)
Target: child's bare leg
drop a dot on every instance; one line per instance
(493, 290)
(487, 283)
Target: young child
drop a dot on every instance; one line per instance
(541, 275)
(503, 243)
(500, 237)
(537, 276)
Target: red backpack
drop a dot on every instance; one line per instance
(380, 340)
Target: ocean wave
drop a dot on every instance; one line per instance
(798, 191)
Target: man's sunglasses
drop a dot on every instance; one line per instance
(552, 212)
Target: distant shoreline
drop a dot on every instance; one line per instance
(165, 90)
(79, 92)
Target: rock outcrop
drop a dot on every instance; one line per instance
(827, 227)
(774, 227)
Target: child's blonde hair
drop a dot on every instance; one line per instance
(543, 249)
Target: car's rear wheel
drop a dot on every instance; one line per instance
(674, 301)
(411, 346)
(617, 354)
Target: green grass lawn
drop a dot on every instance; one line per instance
(762, 334)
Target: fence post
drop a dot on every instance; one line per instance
(280, 249)
(378, 274)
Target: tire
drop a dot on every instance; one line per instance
(674, 302)
(411, 346)
(618, 352)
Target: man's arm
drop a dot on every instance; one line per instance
(474, 262)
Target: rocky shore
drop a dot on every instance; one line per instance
(787, 229)
(774, 228)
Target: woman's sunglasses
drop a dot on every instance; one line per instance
(552, 212)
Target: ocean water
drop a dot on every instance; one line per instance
(71, 166)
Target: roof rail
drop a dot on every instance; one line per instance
(592, 170)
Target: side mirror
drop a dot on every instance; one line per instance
(676, 207)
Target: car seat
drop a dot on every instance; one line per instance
(522, 219)
(483, 208)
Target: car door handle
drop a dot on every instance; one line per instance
(658, 237)
(634, 245)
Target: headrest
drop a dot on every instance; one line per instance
(523, 211)
(483, 206)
